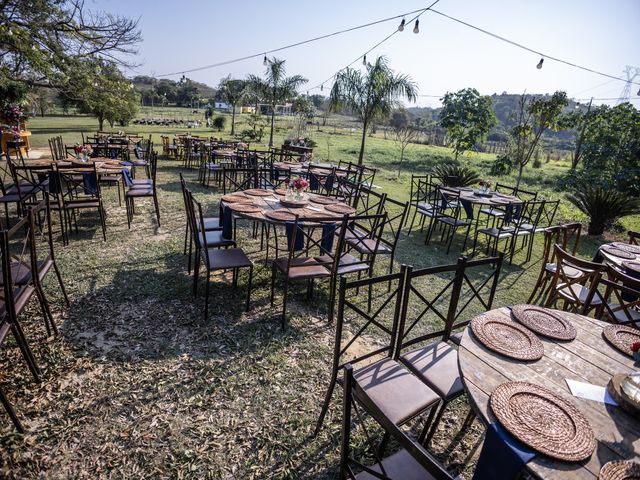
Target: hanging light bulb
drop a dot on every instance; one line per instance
(95, 83)
(401, 26)
(33, 47)
(10, 32)
(264, 60)
(131, 85)
(415, 28)
(364, 60)
(638, 93)
(539, 65)
(307, 93)
(321, 87)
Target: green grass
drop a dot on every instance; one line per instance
(139, 385)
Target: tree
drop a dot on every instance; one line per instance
(403, 136)
(255, 90)
(399, 119)
(233, 91)
(186, 92)
(41, 99)
(371, 95)
(304, 110)
(109, 96)
(42, 42)
(218, 122)
(467, 117)
(535, 116)
(277, 88)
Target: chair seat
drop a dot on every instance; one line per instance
(81, 203)
(400, 465)
(227, 258)
(620, 315)
(436, 364)
(580, 292)
(348, 263)
(214, 239)
(302, 268)
(567, 270)
(142, 182)
(144, 191)
(211, 223)
(424, 206)
(367, 245)
(454, 222)
(503, 232)
(395, 391)
(21, 272)
(494, 212)
(110, 178)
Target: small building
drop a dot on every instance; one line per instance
(247, 109)
(286, 109)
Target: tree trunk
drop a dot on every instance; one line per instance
(273, 115)
(401, 159)
(364, 138)
(520, 169)
(100, 123)
(233, 120)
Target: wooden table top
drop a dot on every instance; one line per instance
(588, 358)
(103, 164)
(272, 202)
(497, 199)
(613, 259)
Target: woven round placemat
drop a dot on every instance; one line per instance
(257, 192)
(280, 191)
(545, 321)
(244, 208)
(234, 198)
(500, 201)
(304, 213)
(620, 470)
(280, 215)
(340, 208)
(617, 252)
(627, 247)
(506, 337)
(633, 266)
(543, 420)
(621, 337)
(320, 200)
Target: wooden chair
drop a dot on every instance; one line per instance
(577, 293)
(411, 462)
(215, 258)
(419, 198)
(71, 192)
(385, 384)
(302, 263)
(238, 179)
(451, 213)
(143, 190)
(495, 212)
(322, 180)
(442, 294)
(634, 237)
(621, 299)
(560, 234)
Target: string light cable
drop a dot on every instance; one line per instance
(296, 44)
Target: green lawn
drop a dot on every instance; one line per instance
(139, 385)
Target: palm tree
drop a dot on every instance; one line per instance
(278, 88)
(256, 88)
(233, 91)
(371, 95)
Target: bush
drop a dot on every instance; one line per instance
(537, 162)
(219, 122)
(603, 205)
(502, 165)
(452, 175)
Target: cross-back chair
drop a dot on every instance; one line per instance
(621, 298)
(143, 190)
(236, 179)
(452, 214)
(387, 385)
(418, 197)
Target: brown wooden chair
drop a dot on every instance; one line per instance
(411, 462)
(578, 293)
(215, 258)
(634, 237)
(145, 189)
(442, 298)
(72, 192)
(563, 235)
(450, 213)
(386, 385)
(313, 253)
(621, 298)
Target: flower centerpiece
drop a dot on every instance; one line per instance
(83, 152)
(299, 186)
(13, 114)
(485, 185)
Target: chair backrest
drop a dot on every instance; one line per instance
(40, 237)
(438, 300)
(523, 194)
(565, 278)
(351, 391)
(502, 188)
(552, 236)
(14, 247)
(634, 237)
(322, 179)
(621, 297)
(368, 202)
(528, 217)
(548, 213)
(235, 179)
(571, 235)
(418, 188)
(396, 214)
(74, 183)
(195, 218)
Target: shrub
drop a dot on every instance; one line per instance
(603, 205)
(537, 162)
(452, 175)
(219, 122)
(502, 165)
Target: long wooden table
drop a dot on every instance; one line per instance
(588, 358)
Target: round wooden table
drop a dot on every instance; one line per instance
(631, 253)
(588, 358)
(271, 203)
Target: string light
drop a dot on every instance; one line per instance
(638, 93)
(364, 60)
(401, 26)
(10, 32)
(265, 61)
(322, 87)
(539, 65)
(416, 29)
